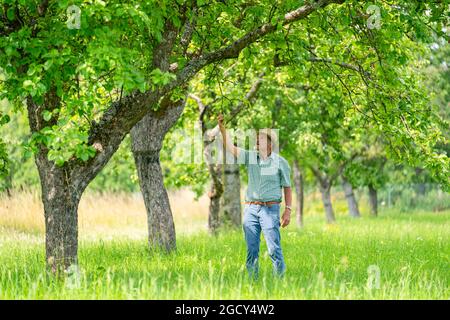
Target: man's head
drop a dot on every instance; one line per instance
(265, 140)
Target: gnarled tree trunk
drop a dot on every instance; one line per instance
(373, 200)
(215, 193)
(420, 186)
(161, 228)
(147, 137)
(325, 190)
(60, 213)
(353, 209)
(299, 192)
(325, 183)
(231, 199)
(215, 165)
(61, 192)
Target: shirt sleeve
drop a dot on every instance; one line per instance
(243, 156)
(285, 174)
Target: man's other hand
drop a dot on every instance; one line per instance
(286, 218)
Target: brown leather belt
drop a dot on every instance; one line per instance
(262, 203)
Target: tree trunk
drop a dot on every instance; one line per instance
(231, 200)
(8, 181)
(161, 227)
(351, 200)
(147, 137)
(214, 195)
(325, 183)
(298, 182)
(373, 200)
(326, 200)
(61, 191)
(214, 157)
(419, 186)
(61, 217)
(421, 189)
(216, 189)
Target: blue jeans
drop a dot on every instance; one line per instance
(256, 218)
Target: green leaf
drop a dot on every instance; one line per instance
(11, 14)
(4, 120)
(84, 156)
(59, 91)
(48, 64)
(63, 4)
(27, 84)
(47, 115)
(28, 154)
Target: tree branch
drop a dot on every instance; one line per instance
(122, 115)
(251, 94)
(233, 50)
(345, 65)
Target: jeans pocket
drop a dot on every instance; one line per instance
(274, 208)
(272, 217)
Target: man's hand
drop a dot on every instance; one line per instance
(285, 218)
(220, 120)
(228, 144)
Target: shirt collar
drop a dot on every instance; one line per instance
(272, 156)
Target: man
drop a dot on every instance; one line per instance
(268, 174)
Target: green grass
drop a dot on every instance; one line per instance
(411, 251)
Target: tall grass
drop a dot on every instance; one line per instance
(409, 250)
(104, 215)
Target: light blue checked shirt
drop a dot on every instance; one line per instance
(265, 177)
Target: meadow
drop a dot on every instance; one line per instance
(397, 255)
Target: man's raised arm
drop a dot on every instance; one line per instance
(226, 141)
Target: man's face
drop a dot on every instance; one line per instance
(263, 143)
